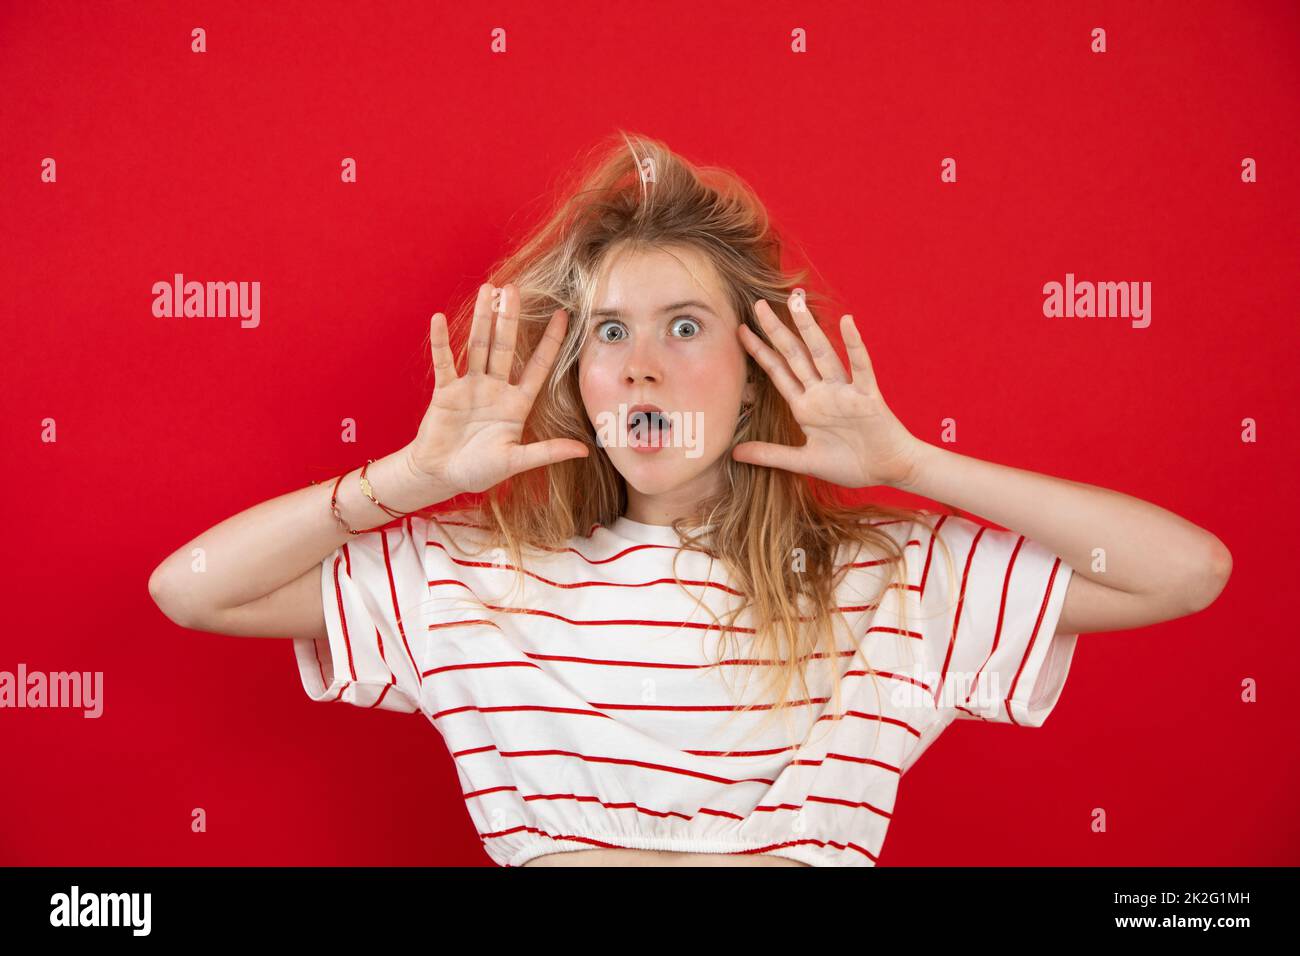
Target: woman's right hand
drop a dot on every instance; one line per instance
(469, 439)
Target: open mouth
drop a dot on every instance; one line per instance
(648, 426)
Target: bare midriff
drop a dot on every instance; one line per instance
(626, 857)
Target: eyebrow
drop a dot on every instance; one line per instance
(685, 304)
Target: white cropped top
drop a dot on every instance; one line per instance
(582, 713)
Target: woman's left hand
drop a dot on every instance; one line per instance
(853, 439)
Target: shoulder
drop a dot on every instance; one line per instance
(907, 532)
(889, 555)
(458, 529)
(457, 518)
(931, 533)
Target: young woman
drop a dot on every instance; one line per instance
(663, 431)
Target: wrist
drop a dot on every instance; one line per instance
(393, 483)
(401, 485)
(431, 487)
(917, 463)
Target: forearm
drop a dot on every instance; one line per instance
(262, 548)
(1147, 550)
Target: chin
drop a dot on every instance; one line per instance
(657, 474)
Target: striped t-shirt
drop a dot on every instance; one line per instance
(582, 712)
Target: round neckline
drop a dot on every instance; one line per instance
(644, 533)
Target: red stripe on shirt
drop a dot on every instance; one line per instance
(1002, 611)
(343, 616)
(1038, 623)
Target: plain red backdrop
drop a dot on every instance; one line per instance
(225, 166)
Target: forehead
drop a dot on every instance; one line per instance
(648, 281)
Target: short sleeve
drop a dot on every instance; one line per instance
(989, 622)
(374, 590)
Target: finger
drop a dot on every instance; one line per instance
(772, 363)
(543, 357)
(444, 364)
(768, 455)
(819, 346)
(502, 353)
(539, 454)
(787, 342)
(480, 331)
(864, 375)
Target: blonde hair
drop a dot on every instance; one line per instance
(640, 194)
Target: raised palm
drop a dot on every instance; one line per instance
(469, 438)
(852, 437)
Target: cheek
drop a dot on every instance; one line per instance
(597, 382)
(719, 374)
(716, 396)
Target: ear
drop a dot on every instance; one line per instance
(749, 393)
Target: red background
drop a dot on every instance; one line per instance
(225, 166)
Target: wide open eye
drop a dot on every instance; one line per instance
(600, 330)
(690, 323)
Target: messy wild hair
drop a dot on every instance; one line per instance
(786, 540)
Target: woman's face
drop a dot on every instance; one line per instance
(663, 334)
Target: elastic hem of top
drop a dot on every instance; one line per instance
(545, 845)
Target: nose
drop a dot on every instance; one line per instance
(643, 364)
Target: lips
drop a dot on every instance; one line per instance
(649, 421)
(652, 413)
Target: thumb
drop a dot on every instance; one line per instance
(767, 454)
(538, 454)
